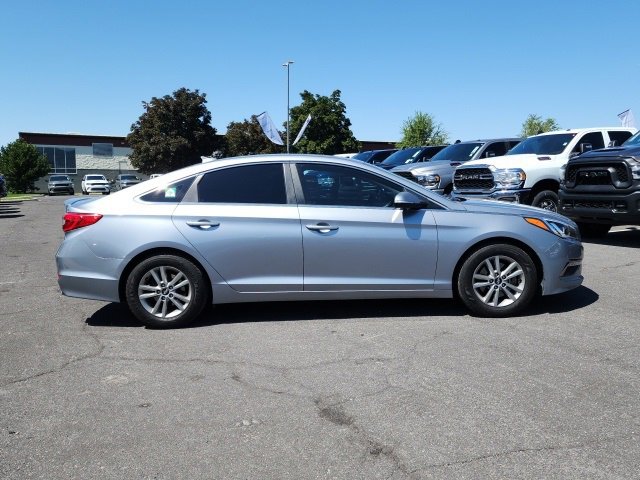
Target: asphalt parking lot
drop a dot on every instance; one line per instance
(349, 390)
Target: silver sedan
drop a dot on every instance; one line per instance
(301, 227)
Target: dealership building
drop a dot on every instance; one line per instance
(77, 155)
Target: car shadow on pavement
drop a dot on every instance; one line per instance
(118, 315)
(10, 209)
(628, 236)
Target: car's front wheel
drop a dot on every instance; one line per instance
(497, 281)
(166, 291)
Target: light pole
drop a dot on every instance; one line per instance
(288, 64)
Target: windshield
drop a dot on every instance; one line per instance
(58, 178)
(543, 144)
(128, 177)
(635, 140)
(95, 177)
(363, 156)
(458, 152)
(401, 156)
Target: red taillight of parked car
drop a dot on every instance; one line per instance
(73, 220)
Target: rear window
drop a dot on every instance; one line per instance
(128, 177)
(172, 193)
(58, 178)
(95, 177)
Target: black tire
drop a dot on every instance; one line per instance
(477, 296)
(105, 193)
(593, 230)
(160, 307)
(546, 199)
(84, 192)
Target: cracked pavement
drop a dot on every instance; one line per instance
(346, 390)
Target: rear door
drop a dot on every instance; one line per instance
(246, 227)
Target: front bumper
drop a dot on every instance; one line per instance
(612, 209)
(97, 189)
(60, 189)
(562, 264)
(514, 196)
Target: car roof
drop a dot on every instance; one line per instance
(582, 130)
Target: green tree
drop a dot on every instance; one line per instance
(173, 132)
(534, 124)
(329, 131)
(22, 165)
(247, 138)
(422, 129)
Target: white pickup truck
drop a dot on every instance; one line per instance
(530, 172)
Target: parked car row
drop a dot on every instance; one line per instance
(556, 171)
(91, 183)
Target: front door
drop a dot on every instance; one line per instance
(354, 239)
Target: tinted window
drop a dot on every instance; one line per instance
(618, 137)
(635, 140)
(458, 152)
(95, 177)
(103, 149)
(343, 186)
(495, 149)
(58, 178)
(401, 156)
(543, 144)
(172, 193)
(128, 177)
(363, 156)
(594, 138)
(244, 184)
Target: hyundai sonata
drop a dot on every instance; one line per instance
(302, 227)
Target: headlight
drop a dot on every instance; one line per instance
(557, 227)
(509, 177)
(431, 181)
(635, 172)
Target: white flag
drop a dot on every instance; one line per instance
(627, 119)
(304, 127)
(269, 128)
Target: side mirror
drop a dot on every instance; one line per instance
(408, 201)
(585, 147)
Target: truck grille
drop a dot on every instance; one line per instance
(610, 173)
(473, 179)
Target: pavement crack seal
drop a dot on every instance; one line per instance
(96, 353)
(373, 448)
(515, 451)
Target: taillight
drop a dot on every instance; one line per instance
(78, 220)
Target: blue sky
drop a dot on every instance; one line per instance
(478, 67)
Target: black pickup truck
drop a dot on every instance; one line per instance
(601, 188)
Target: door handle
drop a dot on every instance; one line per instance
(322, 227)
(203, 224)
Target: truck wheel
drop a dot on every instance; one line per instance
(593, 230)
(546, 199)
(497, 281)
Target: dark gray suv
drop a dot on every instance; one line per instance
(60, 184)
(125, 180)
(437, 173)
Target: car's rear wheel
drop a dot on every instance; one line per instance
(497, 281)
(166, 291)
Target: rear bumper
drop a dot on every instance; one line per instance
(82, 274)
